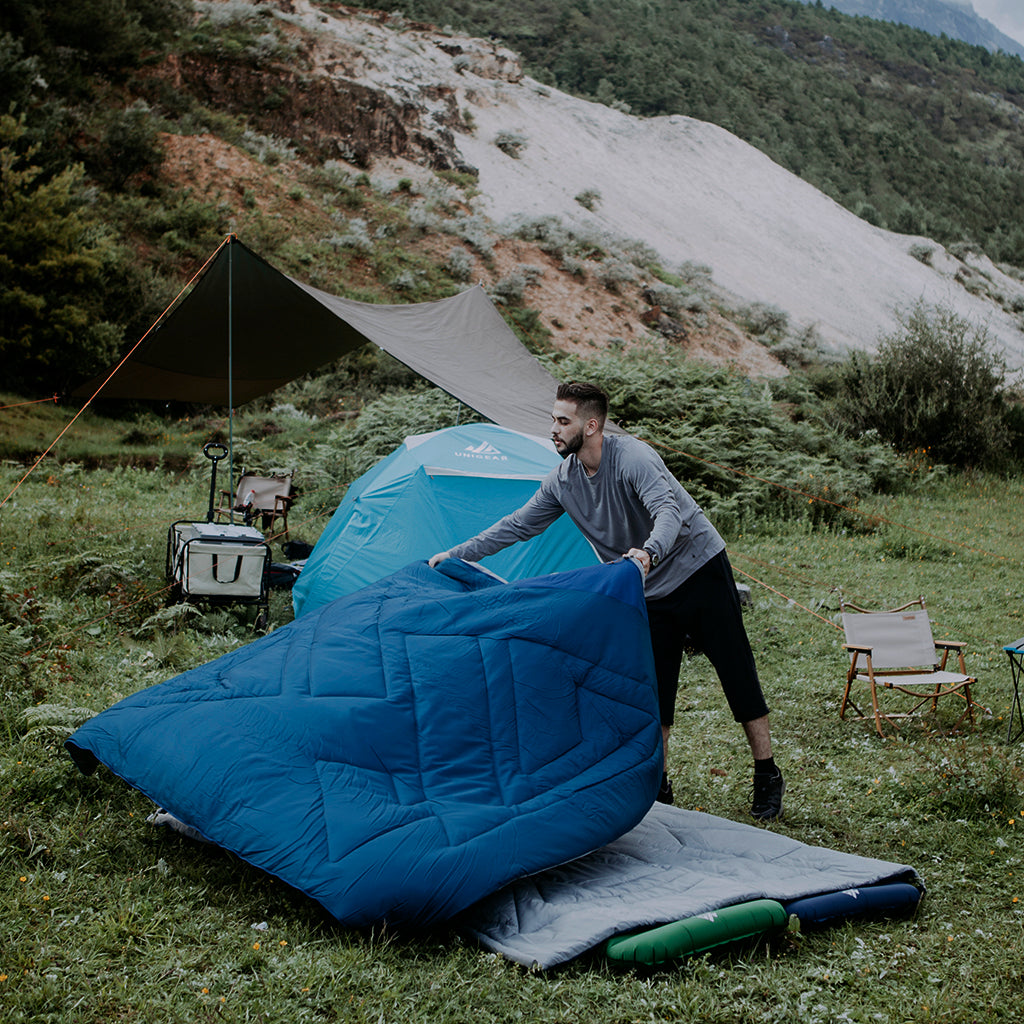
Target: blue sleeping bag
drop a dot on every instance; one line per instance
(402, 752)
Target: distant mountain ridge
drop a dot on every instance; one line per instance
(954, 18)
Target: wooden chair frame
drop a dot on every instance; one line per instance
(265, 497)
(905, 638)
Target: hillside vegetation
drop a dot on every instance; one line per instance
(104, 215)
(913, 132)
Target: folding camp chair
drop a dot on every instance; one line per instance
(265, 497)
(895, 650)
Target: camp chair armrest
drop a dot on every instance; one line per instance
(950, 645)
(858, 648)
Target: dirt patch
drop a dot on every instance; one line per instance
(219, 172)
(585, 318)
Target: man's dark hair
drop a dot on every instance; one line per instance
(590, 400)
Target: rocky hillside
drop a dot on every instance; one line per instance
(406, 101)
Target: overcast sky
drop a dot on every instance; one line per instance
(1006, 15)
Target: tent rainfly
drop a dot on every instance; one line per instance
(245, 329)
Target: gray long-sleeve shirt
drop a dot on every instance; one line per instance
(632, 501)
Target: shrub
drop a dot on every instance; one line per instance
(936, 385)
(803, 350)
(613, 272)
(761, 319)
(510, 143)
(529, 328)
(921, 251)
(476, 233)
(511, 288)
(129, 147)
(697, 275)
(548, 232)
(357, 238)
(459, 263)
(268, 149)
(674, 301)
(589, 198)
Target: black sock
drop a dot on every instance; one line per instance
(765, 767)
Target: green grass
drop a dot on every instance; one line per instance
(104, 918)
(29, 428)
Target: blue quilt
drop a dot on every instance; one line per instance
(402, 752)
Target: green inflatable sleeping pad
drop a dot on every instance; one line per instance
(697, 934)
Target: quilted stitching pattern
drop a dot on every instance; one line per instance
(402, 752)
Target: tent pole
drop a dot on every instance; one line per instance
(231, 396)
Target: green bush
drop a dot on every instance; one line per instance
(763, 320)
(742, 457)
(936, 387)
(58, 266)
(511, 143)
(128, 146)
(385, 422)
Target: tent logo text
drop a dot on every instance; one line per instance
(483, 450)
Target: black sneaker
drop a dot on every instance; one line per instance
(768, 790)
(665, 793)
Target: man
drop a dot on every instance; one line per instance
(623, 498)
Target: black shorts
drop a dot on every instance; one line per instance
(705, 613)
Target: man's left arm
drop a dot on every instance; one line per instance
(653, 485)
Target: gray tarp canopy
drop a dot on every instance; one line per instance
(245, 329)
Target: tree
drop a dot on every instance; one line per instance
(106, 36)
(54, 264)
(128, 147)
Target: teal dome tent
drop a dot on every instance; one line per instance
(433, 491)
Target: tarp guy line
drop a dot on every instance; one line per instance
(34, 401)
(124, 359)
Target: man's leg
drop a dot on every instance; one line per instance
(667, 645)
(723, 638)
(759, 736)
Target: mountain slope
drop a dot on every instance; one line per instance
(688, 189)
(916, 133)
(954, 18)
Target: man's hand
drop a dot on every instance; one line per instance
(439, 557)
(641, 556)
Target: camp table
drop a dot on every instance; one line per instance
(1015, 652)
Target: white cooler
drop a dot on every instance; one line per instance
(218, 560)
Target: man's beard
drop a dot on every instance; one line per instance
(570, 446)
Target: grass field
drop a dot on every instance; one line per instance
(104, 918)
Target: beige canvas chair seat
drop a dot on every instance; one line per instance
(929, 679)
(895, 650)
(266, 498)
